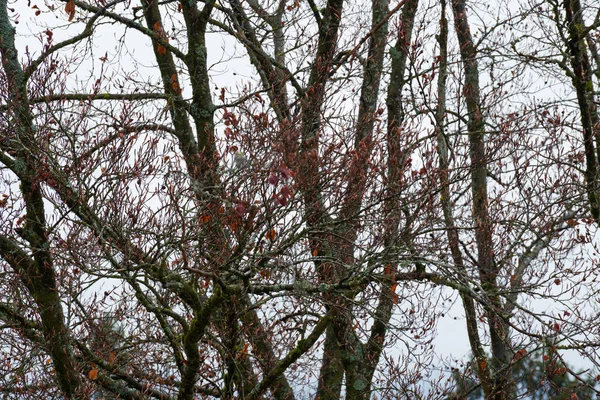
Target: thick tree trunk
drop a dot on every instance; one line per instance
(36, 272)
(488, 271)
(447, 208)
(584, 88)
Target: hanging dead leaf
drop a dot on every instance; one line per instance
(388, 269)
(271, 233)
(242, 354)
(265, 273)
(520, 354)
(161, 50)
(93, 374)
(560, 371)
(483, 364)
(70, 9)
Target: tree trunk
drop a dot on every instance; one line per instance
(488, 271)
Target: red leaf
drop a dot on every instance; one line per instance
(273, 179)
(282, 200)
(285, 191)
(285, 172)
(240, 209)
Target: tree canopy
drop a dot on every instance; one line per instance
(289, 199)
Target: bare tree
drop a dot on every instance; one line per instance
(294, 230)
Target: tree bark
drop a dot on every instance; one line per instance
(447, 209)
(488, 271)
(37, 272)
(584, 88)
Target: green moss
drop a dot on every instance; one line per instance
(359, 384)
(589, 86)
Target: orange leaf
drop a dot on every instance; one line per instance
(204, 218)
(157, 26)
(520, 354)
(483, 364)
(70, 9)
(244, 352)
(93, 374)
(394, 295)
(271, 234)
(315, 252)
(560, 371)
(265, 273)
(388, 269)
(161, 50)
(234, 226)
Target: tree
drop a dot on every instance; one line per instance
(536, 376)
(286, 231)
